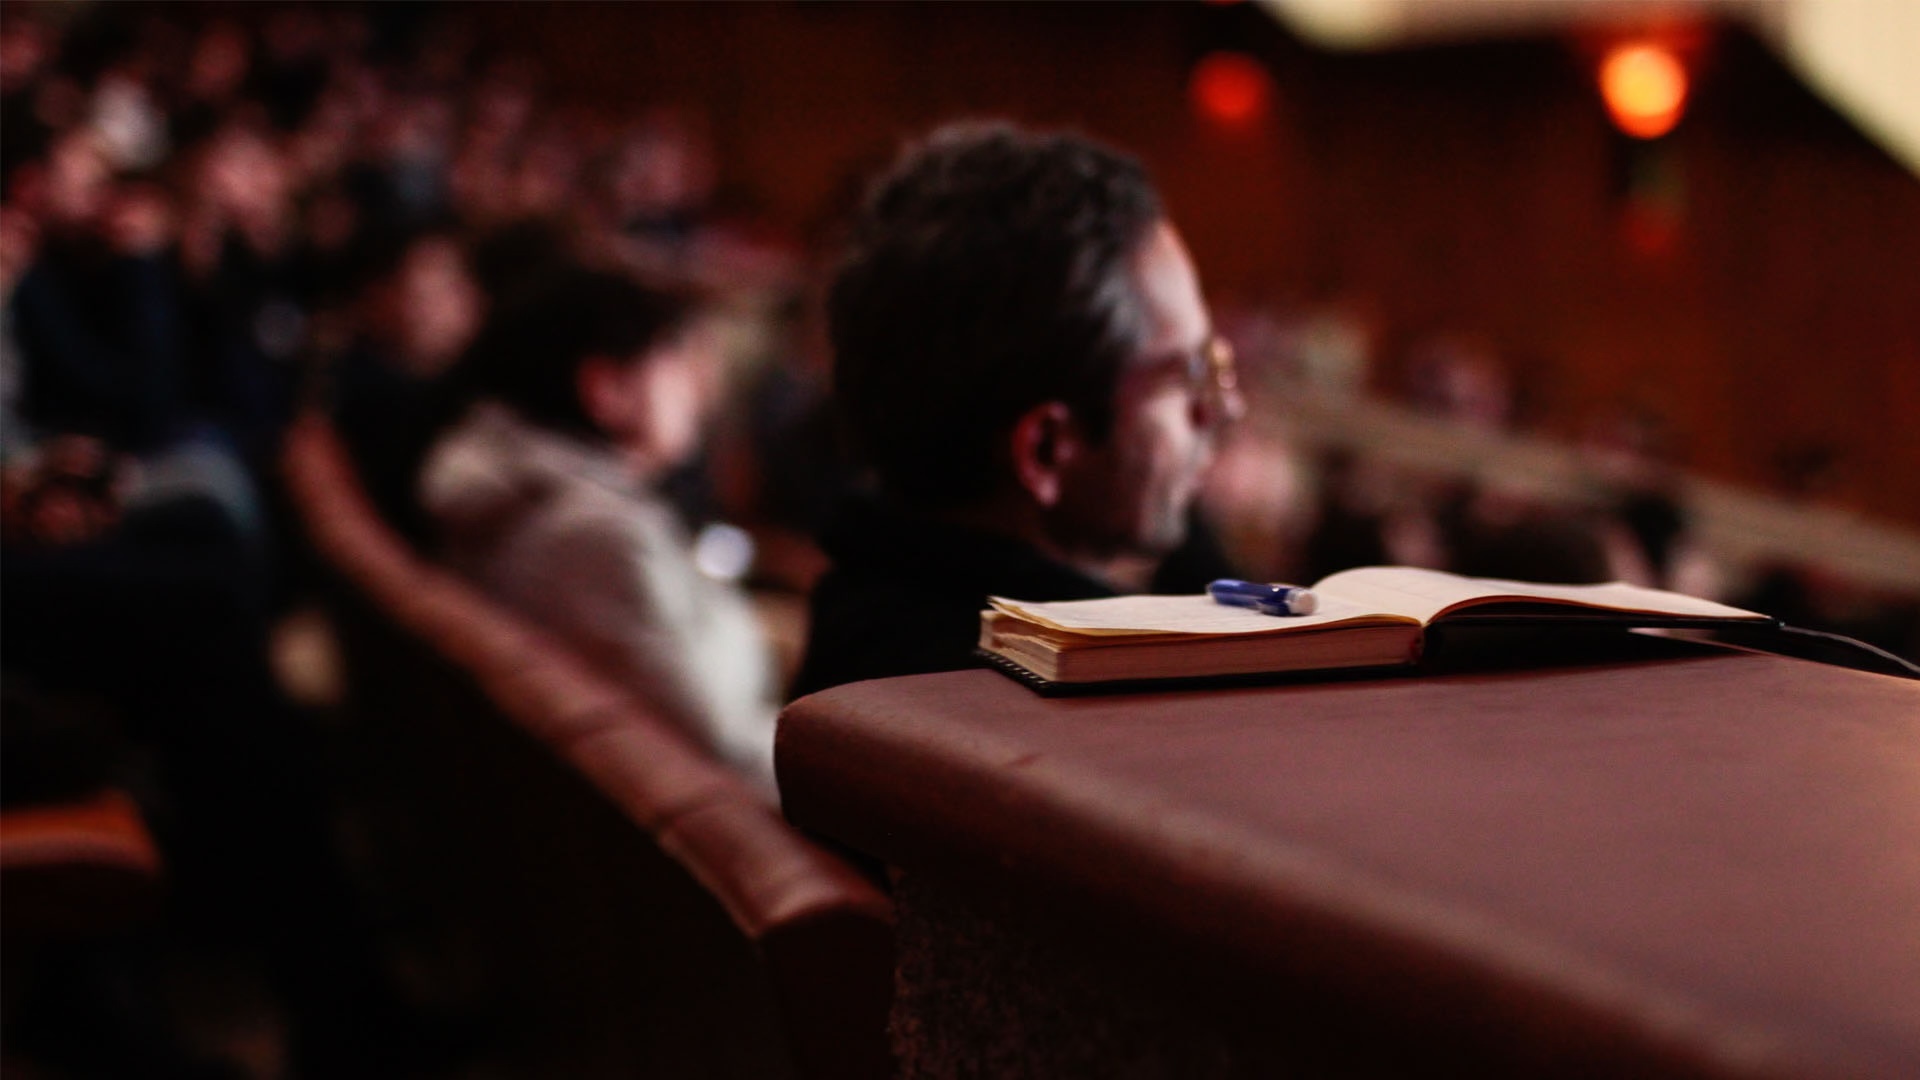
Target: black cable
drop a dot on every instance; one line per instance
(1841, 650)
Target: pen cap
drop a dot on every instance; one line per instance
(1300, 601)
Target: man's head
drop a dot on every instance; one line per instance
(1017, 325)
(595, 355)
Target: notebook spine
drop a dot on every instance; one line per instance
(1015, 671)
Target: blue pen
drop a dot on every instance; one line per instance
(1264, 598)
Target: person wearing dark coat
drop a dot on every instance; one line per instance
(1026, 368)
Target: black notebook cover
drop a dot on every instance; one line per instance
(1576, 640)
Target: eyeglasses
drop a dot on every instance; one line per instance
(1215, 367)
(1210, 372)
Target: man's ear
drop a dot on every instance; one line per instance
(603, 394)
(1044, 442)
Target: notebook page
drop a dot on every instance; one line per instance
(1423, 594)
(1117, 616)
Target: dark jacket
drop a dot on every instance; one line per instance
(100, 335)
(904, 595)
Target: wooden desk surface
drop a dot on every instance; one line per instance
(1715, 856)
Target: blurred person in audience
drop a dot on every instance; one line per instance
(291, 69)
(1464, 524)
(248, 282)
(778, 468)
(657, 184)
(19, 236)
(1024, 360)
(332, 240)
(95, 310)
(216, 74)
(1629, 456)
(500, 111)
(655, 208)
(1455, 522)
(516, 261)
(1461, 379)
(97, 316)
(1806, 594)
(134, 571)
(24, 51)
(416, 313)
(545, 493)
(1499, 536)
(411, 146)
(1350, 517)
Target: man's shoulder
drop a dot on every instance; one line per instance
(876, 621)
(906, 590)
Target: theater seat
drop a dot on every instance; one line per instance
(568, 774)
(82, 867)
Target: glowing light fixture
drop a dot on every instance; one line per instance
(1645, 88)
(1230, 88)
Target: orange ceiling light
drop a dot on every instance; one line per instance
(1645, 88)
(1230, 88)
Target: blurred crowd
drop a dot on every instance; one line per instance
(1432, 449)
(208, 223)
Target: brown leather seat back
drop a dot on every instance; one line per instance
(820, 930)
(87, 866)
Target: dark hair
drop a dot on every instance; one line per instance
(529, 352)
(987, 271)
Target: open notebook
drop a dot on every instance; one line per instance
(1375, 616)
